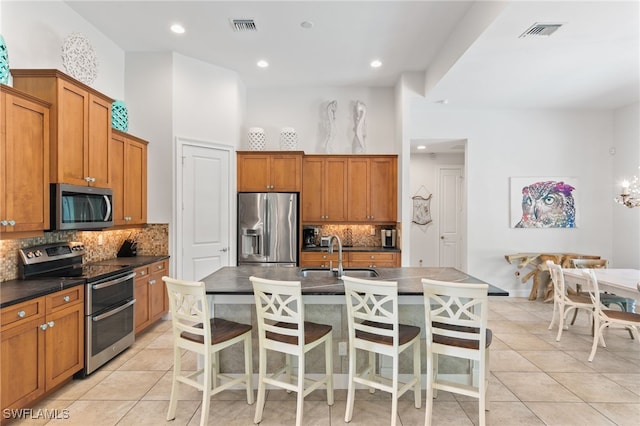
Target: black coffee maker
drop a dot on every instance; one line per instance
(309, 237)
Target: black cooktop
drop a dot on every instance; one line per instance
(64, 260)
(91, 272)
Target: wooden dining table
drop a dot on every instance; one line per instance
(623, 282)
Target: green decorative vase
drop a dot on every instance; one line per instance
(4, 62)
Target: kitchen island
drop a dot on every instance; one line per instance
(235, 280)
(230, 296)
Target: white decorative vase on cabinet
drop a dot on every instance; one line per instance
(288, 139)
(257, 139)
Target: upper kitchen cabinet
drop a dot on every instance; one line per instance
(80, 125)
(372, 185)
(263, 171)
(24, 163)
(128, 169)
(324, 189)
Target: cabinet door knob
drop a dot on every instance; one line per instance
(152, 282)
(51, 323)
(4, 222)
(12, 222)
(44, 326)
(22, 314)
(66, 298)
(160, 266)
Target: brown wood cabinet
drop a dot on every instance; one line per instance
(266, 171)
(324, 189)
(320, 259)
(42, 345)
(372, 188)
(128, 175)
(150, 294)
(373, 259)
(80, 125)
(24, 163)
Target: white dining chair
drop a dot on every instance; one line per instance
(456, 325)
(607, 318)
(194, 330)
(372, 312)
(563, 302)
(282, 328)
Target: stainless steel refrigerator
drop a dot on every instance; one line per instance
(267, 228)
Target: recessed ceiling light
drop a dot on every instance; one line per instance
(376, 63)
(177, 28)
(421, 147)
(306, 24)
(262, 63)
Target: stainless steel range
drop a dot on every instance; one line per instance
(109, 302)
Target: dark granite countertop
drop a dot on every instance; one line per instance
(16, 291)
(354, 248)
(235, 280)
(134, 261)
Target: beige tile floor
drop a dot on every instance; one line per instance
(534, 381)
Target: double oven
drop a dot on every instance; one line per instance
(109, 301)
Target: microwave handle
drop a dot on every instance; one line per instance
(108, 204)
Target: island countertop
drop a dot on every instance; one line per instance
(232, 280)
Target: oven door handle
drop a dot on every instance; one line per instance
(113, 282)
(115, 311)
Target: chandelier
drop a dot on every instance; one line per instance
(630, 195)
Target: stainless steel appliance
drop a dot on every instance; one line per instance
(80, 207)
(309, 237)
(109, 302)
(267, 228)
(389, 238)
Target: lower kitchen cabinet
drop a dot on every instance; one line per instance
(374, 259)
(352, 259)
(150, 294)
(42, 345)
(320, 259)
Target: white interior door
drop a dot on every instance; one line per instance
(204, 203)
(450, 220)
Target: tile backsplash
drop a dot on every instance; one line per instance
(357, 235)
(153, 240)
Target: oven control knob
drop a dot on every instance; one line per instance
(38, 253)
(29, 254)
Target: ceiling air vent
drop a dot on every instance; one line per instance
(243, 25)
(540, 30)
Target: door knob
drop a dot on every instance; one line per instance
(442, 237)
(224, 250)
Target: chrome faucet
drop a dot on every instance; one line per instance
(331, 238)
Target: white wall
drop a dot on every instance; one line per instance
(505, 143)
(149, 88)
(626, 163)
(423, 179)
(305, 110)
(35, 32)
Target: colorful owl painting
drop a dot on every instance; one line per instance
(548, 205)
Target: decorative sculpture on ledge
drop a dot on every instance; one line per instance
(359, 114)
(331, 126)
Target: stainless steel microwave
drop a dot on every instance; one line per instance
(80, 207)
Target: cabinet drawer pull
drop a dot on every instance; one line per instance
(66, 298)
(161, 266)
(22, 314)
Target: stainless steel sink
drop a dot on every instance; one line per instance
(350, 272)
